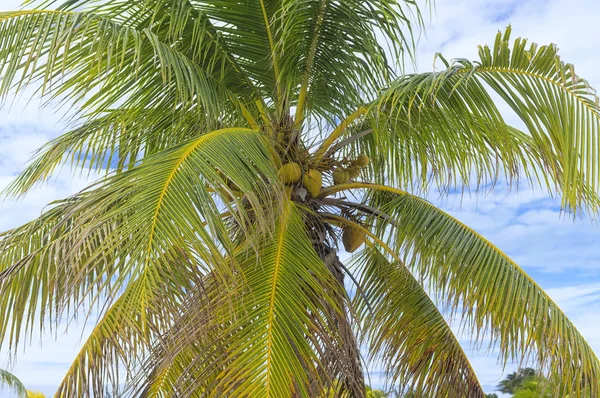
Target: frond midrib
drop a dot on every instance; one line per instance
(506, 70)
(271, 317)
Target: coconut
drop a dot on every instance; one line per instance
(313, 181)
(353, 238)
(290, 173)
(340, 177)
(353, 171)
(362, 160)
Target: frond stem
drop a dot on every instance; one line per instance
(337, 132)
(361, 207)
(272, 47)
(309, 63)
(346, 141)
(485, 69)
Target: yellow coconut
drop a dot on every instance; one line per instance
(362, 160)
(313, 181)
(353, 238)
(340, 177)
(290, 173)
(346, 177)
(353, 171)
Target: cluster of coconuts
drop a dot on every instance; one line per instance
(345, 175)
(290, 173)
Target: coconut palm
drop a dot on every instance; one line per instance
(240, 146)
(534, 387)
(12, 383)
(515, 380)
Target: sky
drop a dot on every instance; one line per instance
(561, 254)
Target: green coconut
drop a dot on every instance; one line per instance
(312, 181)
(353, 171)
(353, 238)
(340, 177)
(362, 160)
(290, 173)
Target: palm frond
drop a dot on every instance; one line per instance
(343, 41)
(90, 53)
(444, 126)
(264, 346)
(487, 288)
(404, 329)
(92, 246)
(286, 279)
(129, 327)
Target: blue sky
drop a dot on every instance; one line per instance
(560, 253)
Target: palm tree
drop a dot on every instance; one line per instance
(10, 381)
(240, 143)
(535, 387)
(515, 380)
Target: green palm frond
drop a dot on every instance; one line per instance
(94, 58)
(339, 40)
(107, 237)
(444, 126)
(404, 329)
(8, 380)
(488, 289)
(267, 334)
(117, 140)
(128, 328)
(287, 280)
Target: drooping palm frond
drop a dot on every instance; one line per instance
(405, 330)
(113, 142)
(110, 242)
(488, 290)
(8, 380)
(445, 126)
(128, 328)
(195, 339)
(266, 335)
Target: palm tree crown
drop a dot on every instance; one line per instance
(515, 380)
(241, 143)
(10, 382)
